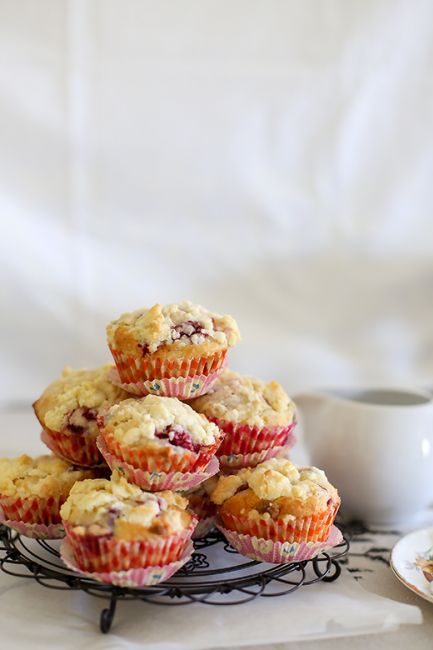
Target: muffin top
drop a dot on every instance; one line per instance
(246, 400)
(153, 419)
(275, 488)
(178, 325)
(125, 511)
(71, 404)
(43, 476)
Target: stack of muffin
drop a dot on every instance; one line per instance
(185, 439)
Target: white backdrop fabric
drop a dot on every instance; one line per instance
(270, 159)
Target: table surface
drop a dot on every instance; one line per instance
(368, 563)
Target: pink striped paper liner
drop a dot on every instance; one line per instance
(106, 553)
(143, 577)
(80, 451)
(246, 439)
(156, 481)
(32, 509)
(265, 550)
(151, 366)
(180, 387)
(36, 531)
(237, 461)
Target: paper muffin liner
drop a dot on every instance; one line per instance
(180, 387)
(238, 461)
(36, 531)
(103, 553)
(246, 439)
(140, 577)
(314, 528)
(204, 527)
(156, 481)
(150, 366)
(265, 550)
(76, 449)
(161, 458)
(32, 510)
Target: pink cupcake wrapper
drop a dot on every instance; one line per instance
(203, 527)
(265, 550)
(243, 438)
(148, 367)
(156, 481)
(146, 577)
(36, 531)
(180, 387)
(237, 461)
(57, 451)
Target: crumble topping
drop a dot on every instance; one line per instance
(180, 324)
(246, 400)
(137, 421)
(118, 508)
(72, 403)
(42, 476)
(273, 479)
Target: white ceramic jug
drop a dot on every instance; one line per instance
(376, 447)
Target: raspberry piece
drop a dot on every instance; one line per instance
(178, 438)
(183, 439)
(188, 329)
(144, 348)
(77, 420)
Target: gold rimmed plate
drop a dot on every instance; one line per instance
(412, 562)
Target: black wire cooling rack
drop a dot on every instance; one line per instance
(215, 575)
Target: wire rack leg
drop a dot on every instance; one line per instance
(330, 572)
(107, 614)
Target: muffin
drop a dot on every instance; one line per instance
(115, 526)
(202, 506)
(159, 434)
(278, 501)
(174, 350)
(68, 409)
(33, 489)
(256, 417)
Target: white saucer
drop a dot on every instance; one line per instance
(405, 558)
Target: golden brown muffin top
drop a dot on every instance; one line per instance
(295, 491)
(138, 421)
(43, 476)
(178, 325)
(73, 402)
(116, 507)
(245, 400)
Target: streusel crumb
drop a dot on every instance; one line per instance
(72, 403)
(123, 510)
(180, 324)
(43, 476)
(137, 421)
(273, 479)
(246, 400)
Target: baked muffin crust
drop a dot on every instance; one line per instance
(42, 477)
(150, 419)
(72, 403)
(174, 325)
(240, 399)
(275, 489)
(116, 508)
